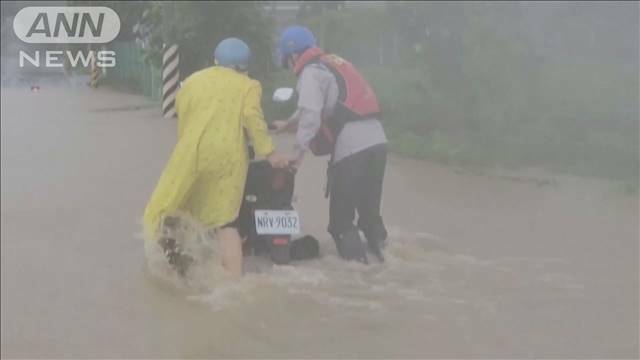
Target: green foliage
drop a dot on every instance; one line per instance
(336, 31)
(584, 133)
(197, 27)
(462, 84)
(274, 111)
(128, 11)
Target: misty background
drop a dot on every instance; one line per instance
(552, 85)
(518, 237)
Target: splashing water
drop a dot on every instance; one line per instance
(420, 271)
(196, 241)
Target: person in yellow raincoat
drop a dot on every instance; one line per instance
(218, 109)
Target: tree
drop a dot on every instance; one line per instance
(197, 27)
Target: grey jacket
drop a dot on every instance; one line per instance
(317, 97)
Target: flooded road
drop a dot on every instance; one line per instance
(478, 265)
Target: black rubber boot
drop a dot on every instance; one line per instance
(376, 240)
(350, 246)
(376, 246)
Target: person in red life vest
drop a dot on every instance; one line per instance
(338, 115)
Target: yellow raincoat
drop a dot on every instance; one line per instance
(218, 108)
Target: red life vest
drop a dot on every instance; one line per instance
(356, 99)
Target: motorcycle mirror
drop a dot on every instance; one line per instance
(282, 95)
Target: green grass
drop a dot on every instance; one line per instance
(584, 122)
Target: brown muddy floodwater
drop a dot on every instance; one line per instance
(478, 265)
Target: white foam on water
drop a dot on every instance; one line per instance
(199, 243)
(420, 271)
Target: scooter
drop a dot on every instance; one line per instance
(267, 218)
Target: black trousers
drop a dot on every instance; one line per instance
(356, 185)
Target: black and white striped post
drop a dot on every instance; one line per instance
(170, 80)
(95, 71)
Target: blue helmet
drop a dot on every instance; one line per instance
(294, 40)
(233, 52)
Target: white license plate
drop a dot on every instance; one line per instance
(277, 222)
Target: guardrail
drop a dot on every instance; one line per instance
(133, 72)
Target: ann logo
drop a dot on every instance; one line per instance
(66, 24)
(41, 25)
